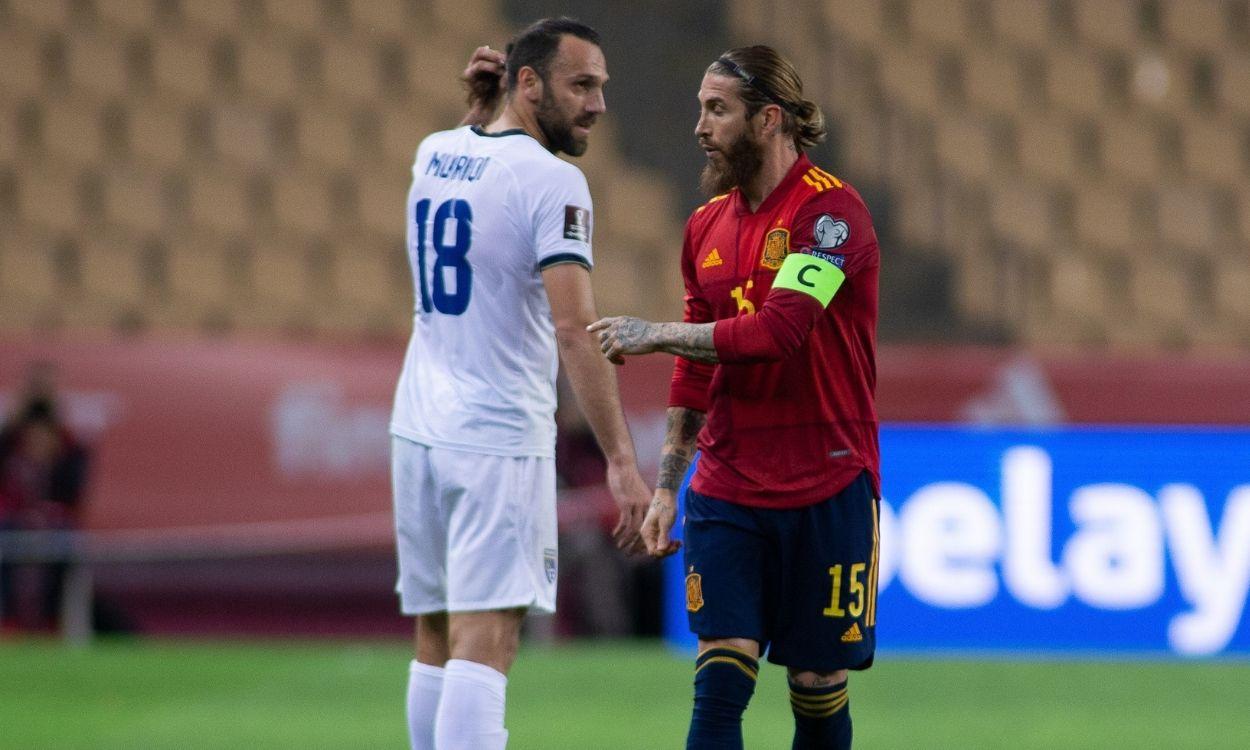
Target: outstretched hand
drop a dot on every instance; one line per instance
(623, 335)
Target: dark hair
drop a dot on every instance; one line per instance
(765, 77)
(536, 46)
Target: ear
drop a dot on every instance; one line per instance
(771, 119)
(529, 84)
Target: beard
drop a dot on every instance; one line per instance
(558, 128)
(741, 162)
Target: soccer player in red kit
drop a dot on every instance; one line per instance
(775, 375)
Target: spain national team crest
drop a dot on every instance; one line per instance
(776, 248)
(694, 592)
(549, 564)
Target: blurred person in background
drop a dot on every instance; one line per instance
(43, 470)
(499, 241)
(775, 376)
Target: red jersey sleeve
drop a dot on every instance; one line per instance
(831, 225)
(689, 386)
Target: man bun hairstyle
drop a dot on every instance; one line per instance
(765, 77)
(536, 46)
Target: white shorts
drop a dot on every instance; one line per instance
(473, 531)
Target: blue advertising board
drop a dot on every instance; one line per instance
(1057, 540)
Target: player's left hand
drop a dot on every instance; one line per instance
(659, 522)
(623, 335)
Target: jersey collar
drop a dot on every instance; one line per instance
(797, 170)
(512, 131)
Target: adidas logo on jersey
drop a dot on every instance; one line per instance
(713, 259)
(852, 634)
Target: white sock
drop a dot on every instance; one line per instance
(425, 685)
(470, 712)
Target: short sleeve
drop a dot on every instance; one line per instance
(563, 217)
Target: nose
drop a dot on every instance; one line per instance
(701, 127)
(597, 104)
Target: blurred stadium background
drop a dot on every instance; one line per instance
(201, 231)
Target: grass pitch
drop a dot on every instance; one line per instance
(192, 695)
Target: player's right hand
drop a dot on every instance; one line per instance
(484, 76)
(631, 494)
(659, 522)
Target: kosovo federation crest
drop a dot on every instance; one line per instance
(694, 592)
(549, 564)
(776, 248)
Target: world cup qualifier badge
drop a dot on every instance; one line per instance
(549, 564)
(830, 232)
(576, 223)
(776, 248)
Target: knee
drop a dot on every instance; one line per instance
(811, 679)
(490, 638)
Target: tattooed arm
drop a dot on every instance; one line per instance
(627, 335)
(679, 442)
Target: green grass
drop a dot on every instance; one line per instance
(152, 695)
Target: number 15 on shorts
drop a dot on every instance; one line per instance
(856, 596)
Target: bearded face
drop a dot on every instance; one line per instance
(732, 165)
(557, 124)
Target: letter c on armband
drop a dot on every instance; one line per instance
(813, 276)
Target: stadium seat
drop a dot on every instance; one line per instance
(243, 134)
(1106, 218)
(1187, 216)
(1196, 24)
(1047, 147)
(1109, 23)
(945, 23)
(182, 65)
(1233, 82)
(1075, 81)
(351, 70)
(97, 63)
(1132, 148)
(325, 135)
(134, 200)
(72, 129)
(301, 202)
(219, 202)
(965, 145)
(1022, 22)
(266, 66)
(1216, 148)
(53, 14)
(21, 62)
(993, 80)
(48, 197)
(1023, 212)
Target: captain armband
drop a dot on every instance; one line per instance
(811, 275)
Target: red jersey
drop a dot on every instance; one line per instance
(791, 418)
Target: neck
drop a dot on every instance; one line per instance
(514, 117)
(779, 155)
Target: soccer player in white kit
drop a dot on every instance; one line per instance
(499, 240)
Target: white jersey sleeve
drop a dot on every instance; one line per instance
(563, 217)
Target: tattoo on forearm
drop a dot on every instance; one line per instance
(692, 341)
(679, 436)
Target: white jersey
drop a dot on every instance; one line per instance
(486, 213)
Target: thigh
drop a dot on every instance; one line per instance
(501, 531)
(420, 529)
(724, 558)
(825, 619)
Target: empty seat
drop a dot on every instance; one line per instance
(182, 65)
(910, 77)
(158, 132)
(197, 273)
(267, 66)
(1232, 288)
(54, 14)
(27, 271)
(942, 21)
(1160, 289)
(244, 134)
(1215, 149)
(1023, 22)
(21, 62)
(859, 20)
(326, 135)
(993, 80)
(1047, 147)
(73, 128)
(49, 197)
(219, 201)
(1132, 147)
(965, 145)
(301, 202)
(1196, 24)
(1110, 23)
(1187, 215)
(1078, 287)
(134, 200)
(1233, 81)
(97, 63)
(1023, 213)
(126, 14)
(1107, 218)
(352, 70)
(382, 199)
(111, 270)
(1075, 81)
